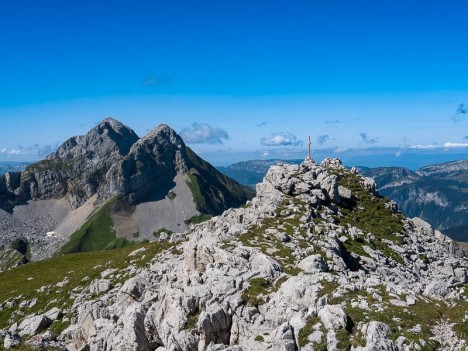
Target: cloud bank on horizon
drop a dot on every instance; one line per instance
(36, 150)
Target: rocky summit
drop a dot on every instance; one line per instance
(316, 261)
(108, 188)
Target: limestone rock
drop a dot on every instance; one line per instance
(333, 317)
(33, 325)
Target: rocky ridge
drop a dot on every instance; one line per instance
(147, 180)
(317, 260)
(435, 193)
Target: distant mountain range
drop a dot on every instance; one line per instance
(108, 188)
(436, 193)
(6, 166)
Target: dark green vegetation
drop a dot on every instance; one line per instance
(212, 191)
(27, 348)
(96, 234)
(55, 164)
(21, 246)
(202, 217)
(371, 214)
(259, 338)
(192, 320)
(253, 295)
(437, 194)
(25, 281)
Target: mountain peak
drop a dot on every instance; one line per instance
(164, 136)
(163, 129)
(108, 137)
(111, 123)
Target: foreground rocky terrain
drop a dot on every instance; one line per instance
(109, 187)
(316, 261)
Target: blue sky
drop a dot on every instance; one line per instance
(239, 79)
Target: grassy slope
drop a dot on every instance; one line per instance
(96, 234)
(79, 269)
(207, 183)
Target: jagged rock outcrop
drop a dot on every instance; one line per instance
(75, 169)
(298, 268)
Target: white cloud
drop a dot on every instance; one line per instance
(281, 139)
(424, 146)
(12, 152)
(202, 133)
(35, 150)
(447, 145)
(455, 145)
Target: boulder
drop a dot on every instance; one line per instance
(54, 314)
(313, 264)
(333, 317)
(33, 325)
(283, 338)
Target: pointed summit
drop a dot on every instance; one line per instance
(109, 137)
(164, 136)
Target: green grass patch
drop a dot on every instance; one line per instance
(192, 320)
(25, 280)
(96, 234)
(401, 319)
(55, 164)
(253, 295)
(259, 338)
(302, 338)
(355, 246)
(197, 219)
(196, 191)
(370, 213)
(463, 245)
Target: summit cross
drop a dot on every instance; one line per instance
(309, 142)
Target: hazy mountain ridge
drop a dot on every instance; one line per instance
(6, 166)
(436, 193)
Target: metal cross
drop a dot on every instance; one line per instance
(309, 147)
